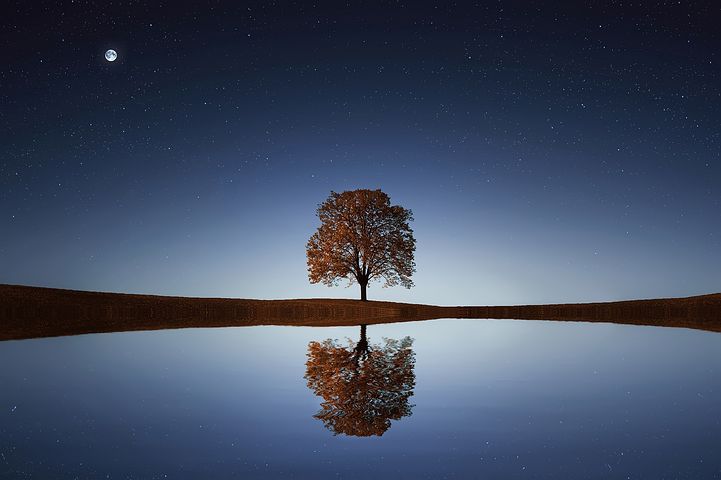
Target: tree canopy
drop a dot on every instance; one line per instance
(363, 387)
(362, 237)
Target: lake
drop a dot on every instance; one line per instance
(456, 399)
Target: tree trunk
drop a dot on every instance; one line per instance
(361, 349)
(363, 286)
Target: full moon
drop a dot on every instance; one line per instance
(111, 55)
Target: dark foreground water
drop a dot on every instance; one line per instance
(459, 399)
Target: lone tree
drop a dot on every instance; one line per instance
(362, 237)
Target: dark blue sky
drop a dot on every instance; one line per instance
(549, 152)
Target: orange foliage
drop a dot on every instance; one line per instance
(363, 388)
(362, 237)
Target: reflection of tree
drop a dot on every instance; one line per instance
(363, 387)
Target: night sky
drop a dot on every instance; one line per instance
(549, 152)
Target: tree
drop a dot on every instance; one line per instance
(362, 237)
(363, 387)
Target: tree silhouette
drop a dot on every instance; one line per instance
(363, 387)
(362, 237)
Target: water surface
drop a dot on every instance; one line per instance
(487, 398)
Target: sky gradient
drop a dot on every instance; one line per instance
(549, 153)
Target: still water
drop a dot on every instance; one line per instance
(456, 399)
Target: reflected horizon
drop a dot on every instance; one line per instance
(575, 400)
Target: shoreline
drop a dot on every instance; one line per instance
(38, 312)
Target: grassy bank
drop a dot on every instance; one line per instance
(31, 312)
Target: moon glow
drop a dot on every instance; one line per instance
(111, 55)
